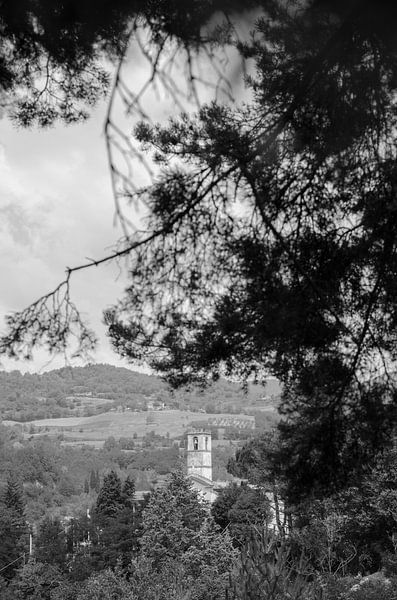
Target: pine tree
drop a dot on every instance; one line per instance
(51, 542)
(13, 497)
(300, 280)
(109, 501)
(182, 548)
(171, 520)
(11, 542)
(13, 530)
(117, 523)
(192, 508)
(128, 492)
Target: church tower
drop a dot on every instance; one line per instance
(199, 454)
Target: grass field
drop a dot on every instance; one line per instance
(123, 424)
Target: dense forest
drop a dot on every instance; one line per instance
(79, 523)
(60, 480)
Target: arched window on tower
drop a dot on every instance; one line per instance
(195, 443)
(206, 443)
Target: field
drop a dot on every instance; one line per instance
(97, 428)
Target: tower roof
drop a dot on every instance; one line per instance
(198, 431)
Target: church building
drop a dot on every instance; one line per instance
(199, 463)
(199, 471)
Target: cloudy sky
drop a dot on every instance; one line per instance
(57, 210)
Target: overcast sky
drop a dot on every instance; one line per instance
(56, 210)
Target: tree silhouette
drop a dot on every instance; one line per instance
(51, 61)
(51, 57)
(270, 240)
(273, 239)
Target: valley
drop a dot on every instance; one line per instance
(95, 429)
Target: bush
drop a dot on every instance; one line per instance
(370, 588)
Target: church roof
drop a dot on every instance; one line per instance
(201, 479)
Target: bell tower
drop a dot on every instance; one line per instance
(199, 454)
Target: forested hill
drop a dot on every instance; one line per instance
(94, 388)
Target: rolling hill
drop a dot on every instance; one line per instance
(94, 389)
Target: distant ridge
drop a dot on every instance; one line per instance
(63, 392)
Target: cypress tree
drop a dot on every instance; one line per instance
(97, 481)
(92, 479)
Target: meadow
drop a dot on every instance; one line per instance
(97, 428)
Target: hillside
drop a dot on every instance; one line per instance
(89, 390)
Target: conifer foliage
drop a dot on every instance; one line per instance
(116, 522)
(271, 244)
(171, 520)
(94, 480)
(51, 61)
(182, 553)
(128, 492)
(13, 497)
(13, 528)
(109, 500)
